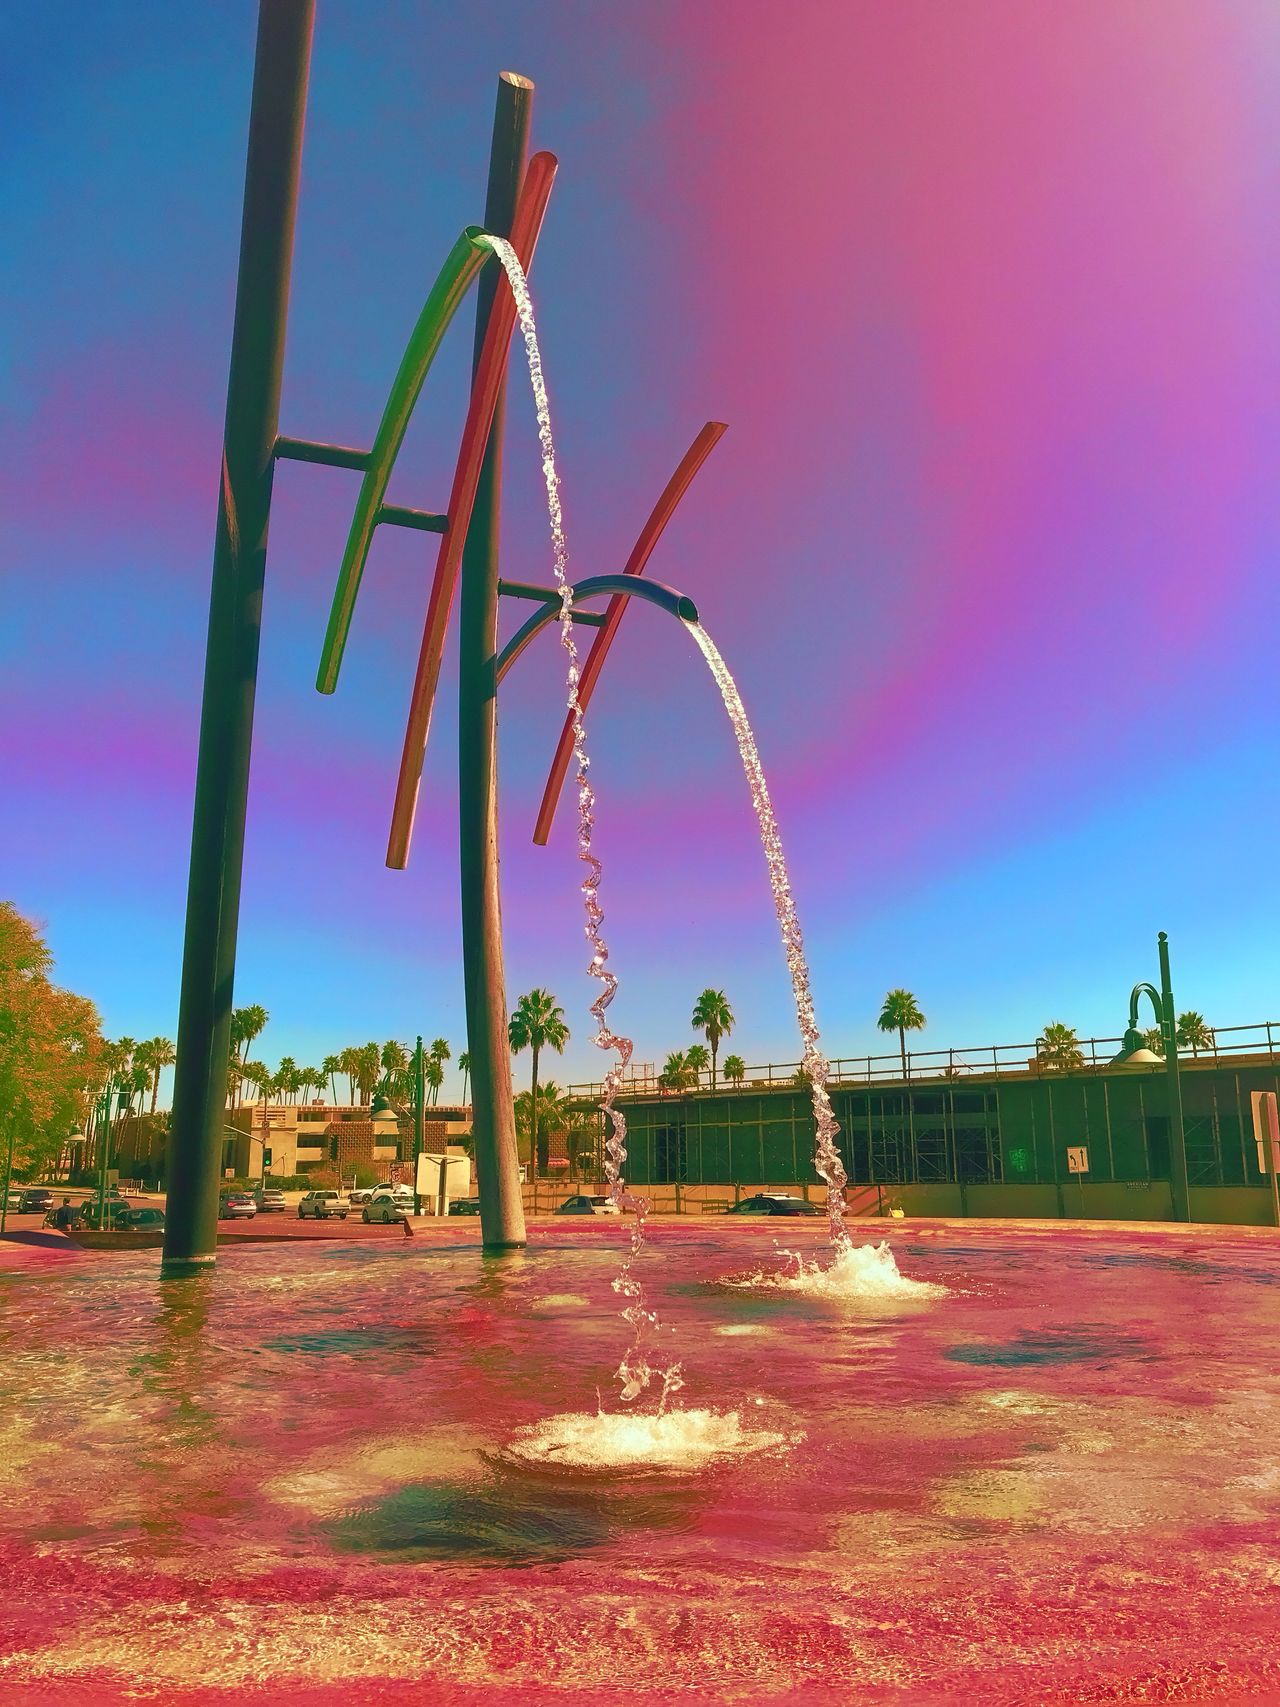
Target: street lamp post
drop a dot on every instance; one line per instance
(419, 1119)
(1134, 1053)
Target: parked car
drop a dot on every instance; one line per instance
(357, 1199)
(320, 1205)
(36, 1200)
(588, 1206)
(465, 1206)
(269, 1198)
(402, 1193)
(775, 1203)
(386, 1206)
(142, 1217)
(236, 1206)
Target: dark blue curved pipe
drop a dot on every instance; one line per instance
(594, 587)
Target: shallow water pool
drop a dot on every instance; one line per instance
(1056, 1478)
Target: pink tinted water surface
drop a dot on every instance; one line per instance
(1059, 1482)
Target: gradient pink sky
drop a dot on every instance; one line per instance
(987, 297)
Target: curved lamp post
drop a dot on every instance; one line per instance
(1134, 1053)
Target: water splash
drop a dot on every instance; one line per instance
(635, 1371)
(677, 1441)
(857, 1272)
(816, 1067)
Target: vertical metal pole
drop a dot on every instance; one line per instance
(1178, 1185)
(419, 1119)
(235, 615)
(493, 1124)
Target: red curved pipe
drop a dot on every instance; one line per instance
(675, 489)
(534, 193)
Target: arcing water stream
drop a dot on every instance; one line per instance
(583, 1438)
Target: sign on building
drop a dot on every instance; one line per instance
(1077, 1159)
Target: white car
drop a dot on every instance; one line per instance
(402, 1193)
(268, 1197)
(386, 1206)
(588, 1206)
(320, 1205)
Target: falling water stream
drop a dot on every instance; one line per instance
(635, 1371)
(685, 1436)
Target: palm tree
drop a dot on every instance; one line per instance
(537, 1024)
(675, 1074)
(1059, 1048)
(246, 1025)
(395, 1066)
(286, 1076)
(433, 1073)
(552, 1109)
(697, 1061)
(1194, 1032)
(156, 1053)
(464, 1066)
(368, 1070)
(713, 1016)
(735, 1069)
(1153, 1040)
(438, 1054)
(331, 1066)
(314, 1079)
(349, 1064)
(901, 1013)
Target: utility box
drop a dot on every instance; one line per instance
(441, 1178)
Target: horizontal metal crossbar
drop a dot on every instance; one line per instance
(329, 456)
(426, 521)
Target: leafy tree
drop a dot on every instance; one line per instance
(713, 1016)
(901, 1013)
(696, 1061)
(1194, 1032)
(735, 1069)
(537, 1024)
(1058, 1049)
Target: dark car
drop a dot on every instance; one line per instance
(465, 1206)
(36, 1202)
(135, 1218)
(775, 1203)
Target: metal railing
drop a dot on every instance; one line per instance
(1231, 1044)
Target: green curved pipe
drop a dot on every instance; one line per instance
(465, 260)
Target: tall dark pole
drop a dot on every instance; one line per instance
(419, 1120)
(493, 1116)
(235, 615)
(1178, 1186)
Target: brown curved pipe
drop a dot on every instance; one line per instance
(675, 489)
(534, 194)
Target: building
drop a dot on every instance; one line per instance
(302, 1138)
(969, 1141)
